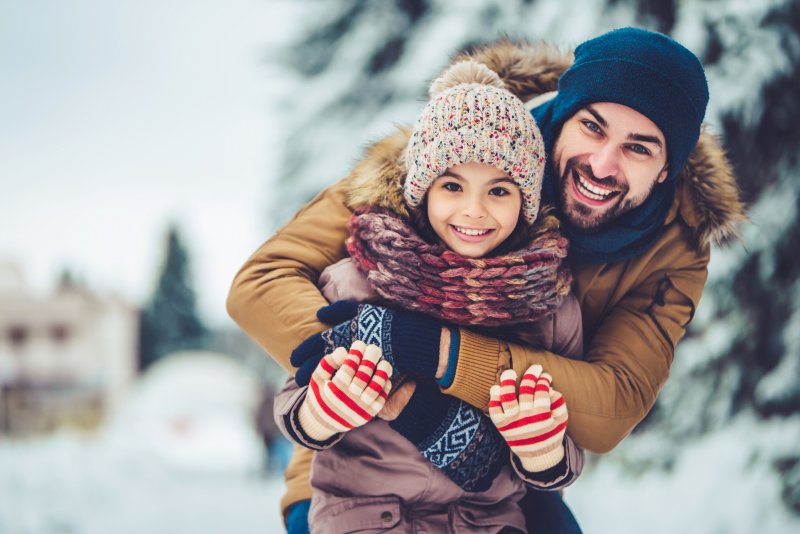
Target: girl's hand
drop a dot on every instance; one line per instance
(347, 389)
(533, 421)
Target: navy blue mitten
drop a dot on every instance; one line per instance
(409, 340)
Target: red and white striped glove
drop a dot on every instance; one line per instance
(347, 390)
(533, 423)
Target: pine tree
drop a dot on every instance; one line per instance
(169, 321)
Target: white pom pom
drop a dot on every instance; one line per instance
(468, 71)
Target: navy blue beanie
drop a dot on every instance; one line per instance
(659, 78)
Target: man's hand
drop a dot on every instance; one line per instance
(410, 341)
(533, 423)
(347, 390)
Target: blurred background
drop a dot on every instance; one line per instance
(147, 148)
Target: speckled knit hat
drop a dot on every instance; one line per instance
(471, 117)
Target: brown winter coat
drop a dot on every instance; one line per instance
(634, 312)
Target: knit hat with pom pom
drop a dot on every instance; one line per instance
(472, 118)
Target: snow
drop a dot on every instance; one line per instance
(89, 485)
(723, 482)
(181, 455)
(193, 411)
(752, 47)
(784, 380)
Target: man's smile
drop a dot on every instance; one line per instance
(589, 192)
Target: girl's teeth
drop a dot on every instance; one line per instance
(467, 231)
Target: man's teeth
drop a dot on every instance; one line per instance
(468, 231)
(592, 191)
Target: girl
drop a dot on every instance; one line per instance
(452, 229)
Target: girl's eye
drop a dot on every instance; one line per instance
(639, 149)
(592, 126)
(452, 186)
(499, 191)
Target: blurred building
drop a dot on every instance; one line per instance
(65, 359)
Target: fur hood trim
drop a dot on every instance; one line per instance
(711, 203)
(377, 180)
(709, 199)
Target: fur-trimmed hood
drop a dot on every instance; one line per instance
(708, 197)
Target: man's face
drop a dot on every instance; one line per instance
(608, 158)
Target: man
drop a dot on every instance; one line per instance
(619, 134)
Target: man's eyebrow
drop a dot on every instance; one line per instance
(599, 118)
(645, 139)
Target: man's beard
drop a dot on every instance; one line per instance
(584, 218)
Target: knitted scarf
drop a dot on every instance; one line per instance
(519, 287)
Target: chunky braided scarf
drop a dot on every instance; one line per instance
(519, 287)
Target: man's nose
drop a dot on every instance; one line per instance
(605, 162)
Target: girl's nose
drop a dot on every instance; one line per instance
(474, 208)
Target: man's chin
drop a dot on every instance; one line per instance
(587, 221)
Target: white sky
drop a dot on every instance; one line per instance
(118, 117)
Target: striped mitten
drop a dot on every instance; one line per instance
(347, 390)
(533, 423)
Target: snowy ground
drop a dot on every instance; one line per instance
(180, 455)
(69, 484)
(725, 482)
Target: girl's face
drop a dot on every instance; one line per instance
(473, 208)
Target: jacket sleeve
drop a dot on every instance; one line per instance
(274, 297)
(626, 363)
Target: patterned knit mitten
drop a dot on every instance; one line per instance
(409, 340)
(533, 424)
(346, 391)
(454, 436)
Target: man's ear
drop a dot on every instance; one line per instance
(663, 174)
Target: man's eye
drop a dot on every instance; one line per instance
(592, 126)
(452, 186)
(639, 149)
